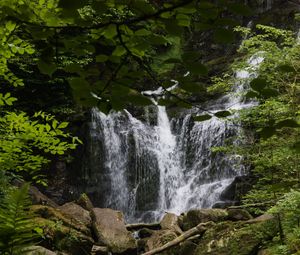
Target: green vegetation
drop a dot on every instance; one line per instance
(107, 53)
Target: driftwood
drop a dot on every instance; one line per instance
(199, 229)
(137, 226)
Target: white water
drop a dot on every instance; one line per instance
(146, 169)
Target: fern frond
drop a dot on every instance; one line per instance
(16, 222)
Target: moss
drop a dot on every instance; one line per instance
(235, 238)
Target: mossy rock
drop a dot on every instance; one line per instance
(161, 237)
(64, 238)
(196, 216)
(236, 238)
(56, 215)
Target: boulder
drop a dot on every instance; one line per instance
(193, 217)
(77, 212)
(85, 202)
(170, 222)
(38, 197)
(109, 227)
(236, 238)
(159, 238)
(38, 250)
(64, 238)
(57, 215)
(238, 214)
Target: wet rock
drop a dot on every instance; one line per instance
(159, 238)
(193, 217)
(238, 214)
(170, 222)
(109, 227)
(77, 212)
(236, 238)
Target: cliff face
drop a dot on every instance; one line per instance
(69, 179)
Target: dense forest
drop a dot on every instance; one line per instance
(181, 117)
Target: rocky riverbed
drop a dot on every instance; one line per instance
(78, 228)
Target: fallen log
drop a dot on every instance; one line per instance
(137, 226)
(199, 229)
(272, 202)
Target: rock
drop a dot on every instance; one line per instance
(77, 212)
(64, 238)
(193, 217)
(38, 250)
(109, 227)
(85, 202)
(236, 238)
(56, 215)
(38, 197)
(240, 186)
(159, 238)
(145, 232)
(238, 214)
(187, 248)
(170, 222)
(99, 250)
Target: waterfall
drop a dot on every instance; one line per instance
(145, 169)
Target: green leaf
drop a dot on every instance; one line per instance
(223, 35)
(190, 86)
(46, 68)
(286, 68)
(63, 125)
(202, 117)
(71, 4)
(119, 51)
(138, 99)
(197, 68)
(110, 32)
(101, 58)
(258, 84)
(222, 114)
(267, 132)
(10, 26)
(142, 32)
(269, 93)
(252, 94)
(287, 123)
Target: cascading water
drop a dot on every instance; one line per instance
(145, 169)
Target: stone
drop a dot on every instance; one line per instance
(99, 250)
(110, 229)
(145, 232)
(77, 212)
(38, 197)
(85, 202)
(170, 222)
(236, 238)
(238, 214)
(193, 217)
(64, 238)
(39, 250)
(159, 238)
(57, 215)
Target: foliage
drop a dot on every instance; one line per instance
(16, 225)
(107, 49)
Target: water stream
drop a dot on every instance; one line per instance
(146, 168)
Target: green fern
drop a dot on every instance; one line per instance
(16, 222)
